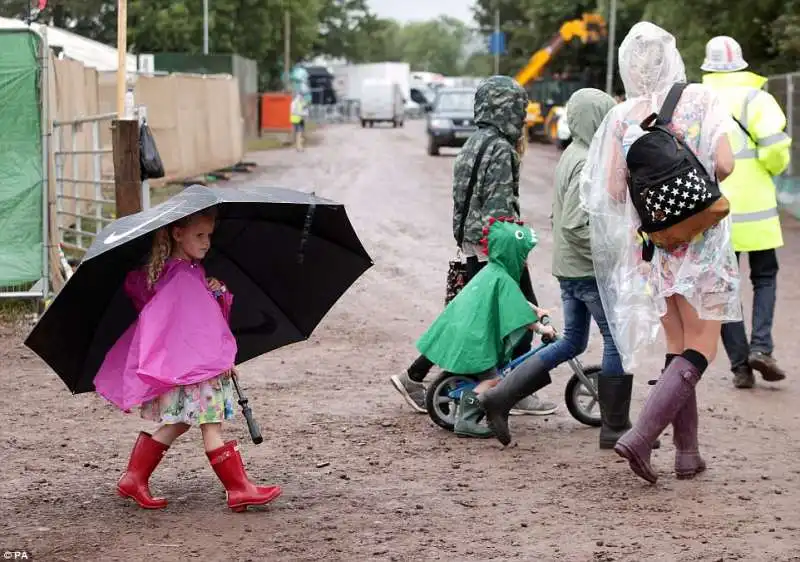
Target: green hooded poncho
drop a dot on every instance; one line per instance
(481, 326)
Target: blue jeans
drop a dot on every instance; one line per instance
(581, 301)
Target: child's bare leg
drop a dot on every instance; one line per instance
(169, 432)
(483, 386)
(212, 436)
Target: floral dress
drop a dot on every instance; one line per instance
(209, 401)
(702, 271)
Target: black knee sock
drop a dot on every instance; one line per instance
(697, 359)
(419, 368)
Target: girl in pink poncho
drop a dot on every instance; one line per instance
(175, 363)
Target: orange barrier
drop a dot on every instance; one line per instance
(275, 109)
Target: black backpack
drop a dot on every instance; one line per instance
(673, 193)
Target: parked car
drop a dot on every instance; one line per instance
(420, 98)
(451, 118)
(381, 101)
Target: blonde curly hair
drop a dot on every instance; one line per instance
(164, 244)
(161, 251)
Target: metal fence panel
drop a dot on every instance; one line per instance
(83, 206)
(784, 88)
(345, 112)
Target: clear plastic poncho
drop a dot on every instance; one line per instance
(705, 271)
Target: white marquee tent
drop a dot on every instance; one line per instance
(91, 53)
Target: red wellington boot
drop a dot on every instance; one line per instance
(146, 454)
(227, 464)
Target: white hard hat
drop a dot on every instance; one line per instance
(723, 54)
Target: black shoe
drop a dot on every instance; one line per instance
(765, 364)
(743, 377)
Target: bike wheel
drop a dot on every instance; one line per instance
(581, 402)
(442, 397)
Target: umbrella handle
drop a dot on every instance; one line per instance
(252, 425)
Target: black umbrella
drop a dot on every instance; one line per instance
(286, 256)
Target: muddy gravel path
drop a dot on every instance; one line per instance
(364, 478)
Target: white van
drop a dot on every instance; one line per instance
(381, 101)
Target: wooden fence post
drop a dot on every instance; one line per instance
(127, 173)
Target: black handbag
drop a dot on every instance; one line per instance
(149, 159)
(456, 278)
(457, 268)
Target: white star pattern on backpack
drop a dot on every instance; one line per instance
(673, 199)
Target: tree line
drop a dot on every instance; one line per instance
(769, 31)
(255, 29)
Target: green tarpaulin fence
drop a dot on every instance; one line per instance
(21, 174)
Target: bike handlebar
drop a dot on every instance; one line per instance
(545, 321)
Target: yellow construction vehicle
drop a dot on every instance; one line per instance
(547, 97)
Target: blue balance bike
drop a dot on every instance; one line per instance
(580, 395)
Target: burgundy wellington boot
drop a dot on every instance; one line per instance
(664, 402)
(146, 454)
(688, 462)
(227, 464)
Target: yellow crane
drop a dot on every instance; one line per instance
(547, 97)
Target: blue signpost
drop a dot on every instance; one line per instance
(497, 43)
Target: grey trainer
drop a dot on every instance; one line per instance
(533, 406)
(413, 392)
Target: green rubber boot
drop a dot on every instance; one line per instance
(468, 414)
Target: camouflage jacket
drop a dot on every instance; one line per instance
(500, 105)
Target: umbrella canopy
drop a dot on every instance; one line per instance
(287, 257)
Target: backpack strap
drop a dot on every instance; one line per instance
(470, 189)
(743, 128)
(670, 103)
(648, 247)
(664, 115)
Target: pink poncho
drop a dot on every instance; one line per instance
(181, 337)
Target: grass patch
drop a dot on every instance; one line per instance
(18, 312)
(268, 141)
(161, 194)
(273, 141)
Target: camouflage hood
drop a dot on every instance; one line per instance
(501, 103)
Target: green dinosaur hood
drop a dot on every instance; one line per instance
(479, 329)
(501, 103)
(509, 244)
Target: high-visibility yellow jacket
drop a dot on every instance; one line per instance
(298, 110)
(763, 151)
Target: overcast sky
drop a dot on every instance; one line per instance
(405, 10)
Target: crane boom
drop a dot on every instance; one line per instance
(590, 27)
